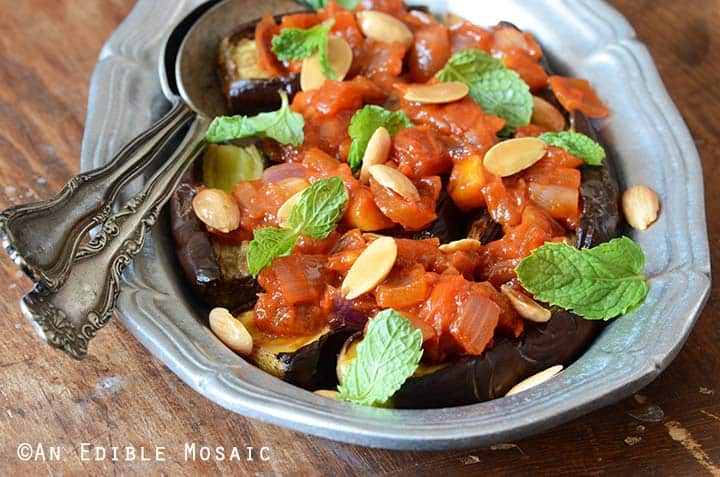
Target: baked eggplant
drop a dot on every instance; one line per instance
(247, 88)
(216, 271)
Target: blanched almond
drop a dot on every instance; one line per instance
(283, 213)
(437, 93)
(514, 155)
(546, 115)
(231, 331)
(526, 306)
(640, 205)
(394, 180)
(328, 393)
(340, 55)
(217, 209)
(383, 27)
(535, 379)
(466, 244)
(370, 268)
(377, 152)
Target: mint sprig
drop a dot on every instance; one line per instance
(315, 215)
(283, 125)
(318, 4)
(596, 283)
(296, 44)
(388, 354)
(577, 144)
(499, 90)
(364, 123)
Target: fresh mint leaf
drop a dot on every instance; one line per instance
(284, 125)
(318, 4)
(315, 215)
(388, 354)
(268, 244)
(364, 123)
(577, 144)
(596, 283)
(320, 208)
(500, 91)
(296, 44)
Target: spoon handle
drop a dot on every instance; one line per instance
(69, 317)
(42, 237)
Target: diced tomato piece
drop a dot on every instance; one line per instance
(474, 325)
(507, 38)
(467, 36)
(396, 8)
(576, 93)
(264, 32)
(362, 212)
(300, 20)
(527, 67)
(505, 201)
(301, 278)
(403, 288)
(413, 215)
(418, 153)
(310, 246)
(530, 130)
(467, 179)
(424, 252)
(509, 322)
(334, 96)
(382, 62)
(429, 52)
(548, 174)
(561, 202)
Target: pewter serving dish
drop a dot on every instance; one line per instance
(646, 135)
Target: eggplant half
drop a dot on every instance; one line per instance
(248, 89)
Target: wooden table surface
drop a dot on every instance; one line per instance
(122, 396)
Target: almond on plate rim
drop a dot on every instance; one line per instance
(641, 206)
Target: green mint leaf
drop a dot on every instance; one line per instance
(315, 215)
(364, 123)
(596, 283)
(267, 245)
(577, 144)
(318, 4)
(500, 91)
(296, 44)
(284, 125)
(320, 208)
(388, 354)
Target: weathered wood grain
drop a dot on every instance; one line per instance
(121, 396)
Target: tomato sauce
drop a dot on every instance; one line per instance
(451, 296)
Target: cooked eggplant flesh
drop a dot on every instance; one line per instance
(248, 89)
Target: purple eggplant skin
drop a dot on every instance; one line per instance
(208, 265)
(251, 96)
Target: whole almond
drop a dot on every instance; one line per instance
(465, 245)
(394, 180)
(340, 55)
(231, 331)
(377, 152)
(383, 27)
(283, 213)
(217, 209)
(437, 93)
(640, 205)
(370, 268)
(526, 306)
(535, 379)
(514, 155)
(546, 115)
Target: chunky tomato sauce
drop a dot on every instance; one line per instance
(452, 296)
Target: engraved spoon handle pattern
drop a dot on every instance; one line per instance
(42, 237)
(69, 317)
